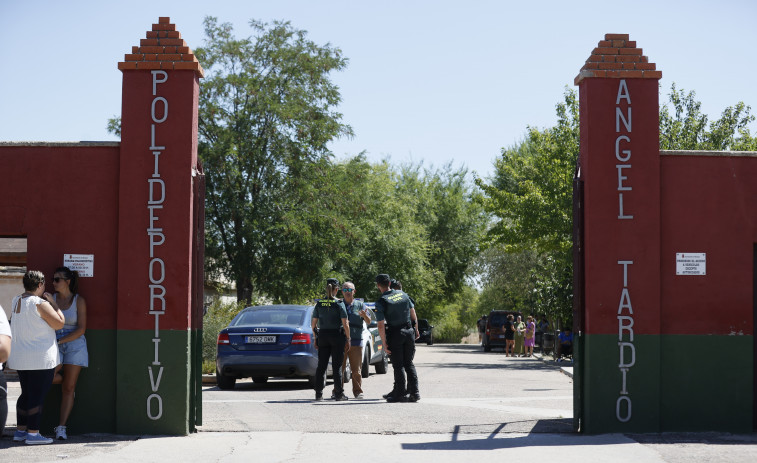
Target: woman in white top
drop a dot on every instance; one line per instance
(71, 342)
(34, 353)
(5, 350)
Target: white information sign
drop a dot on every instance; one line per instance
(82, 263)
(691, 263)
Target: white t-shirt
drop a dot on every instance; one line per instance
(33, 346)
(5, 328)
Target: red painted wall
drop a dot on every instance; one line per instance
(709, 205)
(64, 199)
(608, 238)
(169, 111)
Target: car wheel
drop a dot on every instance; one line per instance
(311, 381)
(487, 348)
(383, 366)
(259, 379)
(225, 382)
(365, 368)
(430, 341)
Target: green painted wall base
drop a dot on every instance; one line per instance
(676, 383)
(95, 402)
(157, 404)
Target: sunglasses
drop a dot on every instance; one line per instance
(347, 290)
(57, 279)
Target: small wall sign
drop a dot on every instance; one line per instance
(691, 263)
(82, 263)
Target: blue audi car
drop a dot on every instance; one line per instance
(265, 341)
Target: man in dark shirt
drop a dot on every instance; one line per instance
(395, 315)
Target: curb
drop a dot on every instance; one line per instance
(208, 379)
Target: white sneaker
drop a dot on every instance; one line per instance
(37, 439)
(60, 433)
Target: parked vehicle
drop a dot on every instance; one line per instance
(494, 336)
(375, 347)
(267, 341)
(426, 331)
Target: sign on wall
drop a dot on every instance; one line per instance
(691, 263)
(82, 263)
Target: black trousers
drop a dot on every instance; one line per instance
(34, 387)
(402, 346)
(330, 347)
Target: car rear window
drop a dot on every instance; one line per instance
(497, 319)
(270, 317)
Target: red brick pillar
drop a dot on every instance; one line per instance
(620, 169)
(157, 169)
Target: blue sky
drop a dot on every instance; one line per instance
(428, 81)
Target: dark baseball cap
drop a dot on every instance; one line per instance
(383, 279)
(332, 281)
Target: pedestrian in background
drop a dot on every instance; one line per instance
(481, 327)
(72, 345)
(34, 354)
(395, 314)
(530, 337)
(509, 329)
(332, 341)
(357, 318)
(520, 333)
(5, 351)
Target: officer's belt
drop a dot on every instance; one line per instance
(329, 331)
(399, 327)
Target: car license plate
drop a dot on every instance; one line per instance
(261, 339)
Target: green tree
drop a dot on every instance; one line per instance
(531, 197)
(446, 204)
(686, 127)
(266, 115)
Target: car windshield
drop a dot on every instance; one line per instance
(270, 317)
(422, 324)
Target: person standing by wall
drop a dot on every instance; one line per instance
(5, 351)
(358, 318)
(72, 345)
(395, 315)
(34, 354)
(328, 316)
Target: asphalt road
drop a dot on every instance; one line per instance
(463, 390)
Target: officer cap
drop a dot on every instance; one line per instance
(383, 279)
(332, 281)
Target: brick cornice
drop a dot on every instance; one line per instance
(163, 48)
(617, 57)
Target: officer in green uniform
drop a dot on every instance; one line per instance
(395, 315)
(330, 321)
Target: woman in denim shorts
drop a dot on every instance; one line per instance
(72, 345)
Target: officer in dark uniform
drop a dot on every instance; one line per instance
(333, 339)
(395, 315)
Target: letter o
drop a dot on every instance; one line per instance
(160, 406)
(165, 110)
(617, 409)
(162, 272)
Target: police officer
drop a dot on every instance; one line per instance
(395, 315)
(333, 339)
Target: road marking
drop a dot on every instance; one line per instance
(500, 404)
